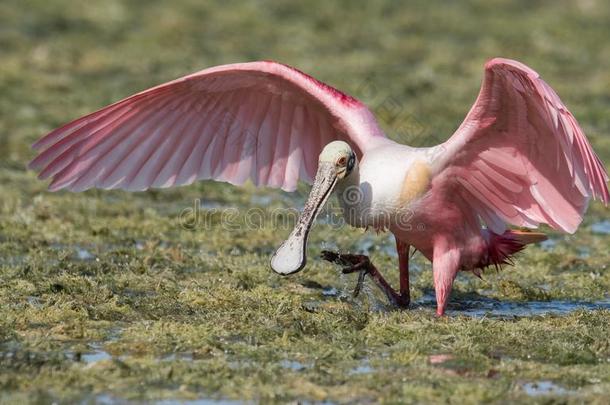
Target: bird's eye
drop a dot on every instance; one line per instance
(342, 161)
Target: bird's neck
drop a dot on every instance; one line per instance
(351, 197)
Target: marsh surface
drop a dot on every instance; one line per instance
(108, 297)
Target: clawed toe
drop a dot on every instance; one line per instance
(329, 256)
(352, 264)
(346, 260)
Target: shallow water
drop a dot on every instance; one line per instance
(111, 400)
(363, 368)
(601, 227)
(263, 200)
(545, 387)
(330, 292)
(489, 307)
(83, 254)
(294, 365)
(97, 354)
(548, 244)
(584, 252)
(96, 350)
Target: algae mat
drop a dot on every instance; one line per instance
(110, 297)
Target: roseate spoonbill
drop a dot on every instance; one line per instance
(519, 158)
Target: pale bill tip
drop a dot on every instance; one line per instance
(289, 258)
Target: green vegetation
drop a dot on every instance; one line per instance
(106, 295)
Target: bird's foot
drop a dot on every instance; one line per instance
(362, 264)
(351, 264)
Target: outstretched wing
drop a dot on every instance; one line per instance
(263, 121)
(520, 157)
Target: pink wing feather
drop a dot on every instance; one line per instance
(520, 156)
(263, 121)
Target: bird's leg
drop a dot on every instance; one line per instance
(445, 265)
(361, 263)
(351, 264)
(403, 250)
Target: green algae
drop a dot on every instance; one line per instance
(110, 296)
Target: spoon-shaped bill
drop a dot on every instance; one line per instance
(290, 257)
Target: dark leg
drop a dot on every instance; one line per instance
(403, 264)
(362, 264)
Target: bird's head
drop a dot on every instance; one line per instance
(336, 162)
(337, 155)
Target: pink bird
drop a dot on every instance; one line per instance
(519, 158)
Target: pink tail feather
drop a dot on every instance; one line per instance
(501, 248)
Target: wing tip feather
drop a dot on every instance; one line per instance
(58, 163)
(499, 62)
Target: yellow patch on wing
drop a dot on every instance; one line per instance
(416, 182)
